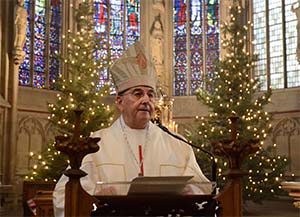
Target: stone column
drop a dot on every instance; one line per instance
(20, 25)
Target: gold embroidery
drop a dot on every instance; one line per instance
(141, 60)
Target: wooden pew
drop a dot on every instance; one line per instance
(44, 204)
(32, 190)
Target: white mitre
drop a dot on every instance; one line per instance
(133, 68)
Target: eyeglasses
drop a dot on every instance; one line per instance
(139, 93)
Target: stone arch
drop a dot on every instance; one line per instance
(30, 138)
(286, 135)
(50, 133)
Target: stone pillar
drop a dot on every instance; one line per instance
(20, 25)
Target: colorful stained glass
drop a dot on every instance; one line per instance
(101, 29)
(54, 40)
(180, 48)
(41, 66)
(117, 28)
(196, 49)
(39, 44)
(110, 21)
(101, 16)
(190, 65)
(212, 36)
(133, 21)
(117, 21)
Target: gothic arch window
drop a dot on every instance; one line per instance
(196, 46)
(118, 23)
(40, 66)
(275, 40)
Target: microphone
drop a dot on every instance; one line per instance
(214, 164)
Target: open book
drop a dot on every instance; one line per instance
(153, 185)
(158, 184)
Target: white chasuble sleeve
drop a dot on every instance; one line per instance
(88, 183)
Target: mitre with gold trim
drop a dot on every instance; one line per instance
(133, 68)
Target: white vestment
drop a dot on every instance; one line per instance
(163, 156)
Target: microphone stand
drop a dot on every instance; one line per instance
(214, 164)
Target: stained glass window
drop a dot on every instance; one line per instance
(275, 41)
(40, 66)
(118, 24)
(196, 43)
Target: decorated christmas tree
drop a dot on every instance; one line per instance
(79, 91)
(232, 91)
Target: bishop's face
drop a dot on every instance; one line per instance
(137, 106)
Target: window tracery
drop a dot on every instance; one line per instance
(196, 43)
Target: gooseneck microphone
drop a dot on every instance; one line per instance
(214, 164)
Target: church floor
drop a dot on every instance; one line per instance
(275, 208)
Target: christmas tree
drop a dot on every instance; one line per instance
(79, 91)
(232, 91)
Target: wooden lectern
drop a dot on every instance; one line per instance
(157, 205)
(227, 203)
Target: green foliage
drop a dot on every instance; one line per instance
(233, 92)
(79, 91)
(47, 166)
(265, 174)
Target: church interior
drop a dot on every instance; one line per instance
(185, 38)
